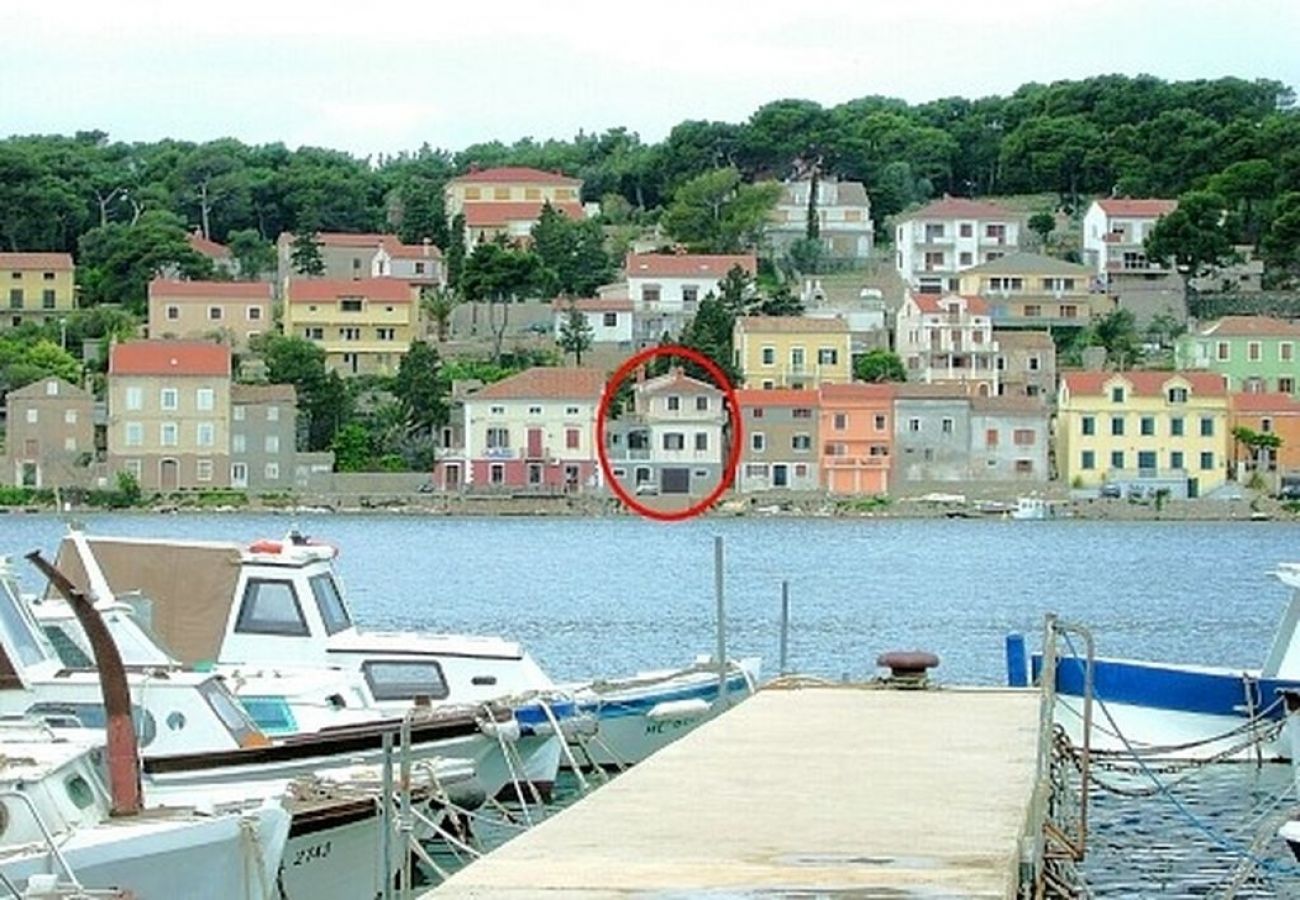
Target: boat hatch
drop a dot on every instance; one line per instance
(271, 714)
(91, 715)
(394, 679)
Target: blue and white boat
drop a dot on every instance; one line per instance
(1173, 710)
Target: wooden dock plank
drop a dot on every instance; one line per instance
(874, 792)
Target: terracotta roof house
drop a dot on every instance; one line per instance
(1255, 353)
(508, 201)
(365, 326)
(37, 287)
(198, 309)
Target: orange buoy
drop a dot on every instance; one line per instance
(265, 547)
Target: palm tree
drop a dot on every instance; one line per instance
(438, 304)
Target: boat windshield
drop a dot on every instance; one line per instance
(19, 632)
(333, 612)
(228, 710)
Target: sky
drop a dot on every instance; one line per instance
(386, 77)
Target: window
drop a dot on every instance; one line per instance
(33, 416)
(203, 470)
(498, 410)
(756, 412)
(1117, 394)
(1024, 437)
(135, 467)
(1117, 426)
(572, 438)
(496, 474)
(914, 425)
(1176, 459)
(314, 333)
(237, 443)
(1207, 461)
(1253, 351)
(878, 450)
(964, 258)
(801, 412)
(254, 313)
(134, 434)
(272, 443)
(272, 471)
(1176, 426)
(350, 305)
(1035, 364)
(205, 434)
(674, 403)
(1089, 425)
(1147, 426)
(1222, 351)
(1286, 385)
(1147, 461)
(386, 334)
(273, 413)
(214, 313)
(796, 358)
(801, 443)
(946, 425)
(173, 313)
(205, 399)
(1266, 425)
(1286, 351)
(701, 404)
(841, 421)
(1207, 426)
(401, 680)
(70, 417)
(756, 470)
(690, 294)
(610, 320)
(650, 293)
(769, 356)
(332, 611)
(498, 438)
(70, 444)
(1033, 310)
(16, 298)
(674, 441)
(134, 398)
(1177, 395)
(758, 442)
(1069, 311)
(966, 229)
(828, 356)
(169, 398)
(350, 334)
(701, 440)
(1117, 459)
(167, 434)
(991, 437)
(534, 410)
(270, 607)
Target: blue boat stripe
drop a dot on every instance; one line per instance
(640, 705)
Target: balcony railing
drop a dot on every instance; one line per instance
(856, 462)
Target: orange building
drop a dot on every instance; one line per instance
(1270, 413)
(856, 428)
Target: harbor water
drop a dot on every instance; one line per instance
(607, 596)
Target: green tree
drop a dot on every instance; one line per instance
(717, 213)
(1281, 243)
(422, 390)
(805, 256)
(304, 252)
(1042, 223)
(117, 261)
(323, 402)
(1247, 186)
(254, 255)
(779, 301)
(813, 225)
(1117, 332)
(710, 332)
(423, 216)
(501, 275)
(737, 292)
(573, 253)
(351, 446)
(576, 333)
(1261, 445)
(439, 303)
(877, 366)
(28, 357)
(455, 250)
(1193, 236)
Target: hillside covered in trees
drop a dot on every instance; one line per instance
(1110, 134)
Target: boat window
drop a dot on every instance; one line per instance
(92, 715)
(79, 791)
(332, 611)
(270, 607)
(70, 654)
(229, 711)
(19, 632)
(400, 680)
(271, 714)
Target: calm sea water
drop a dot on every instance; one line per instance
(605, 596)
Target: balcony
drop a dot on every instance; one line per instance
(855, 462)
(499, 453)
(637, 454)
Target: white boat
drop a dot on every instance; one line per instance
(1178, 711)
(641, 714)
(268, 613)
(58, 834)
(1034, 508)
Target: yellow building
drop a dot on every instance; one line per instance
(508, 201)
(36, 286)
(1026, 290)
(792, 352)
(365, 326)
(168, 409)
(1140, 431)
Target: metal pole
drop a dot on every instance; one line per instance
(386, 820)
(785, 625)
(722, 622)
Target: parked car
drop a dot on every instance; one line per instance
(1290, 489)
(1112, 490)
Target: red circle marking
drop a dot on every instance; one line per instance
(733, 413)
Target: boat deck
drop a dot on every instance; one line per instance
(850, 790)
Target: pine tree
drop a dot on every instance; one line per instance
(576, 333)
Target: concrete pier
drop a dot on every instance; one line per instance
(865, 792)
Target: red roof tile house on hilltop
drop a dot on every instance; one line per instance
(508, 201)
(533, 431)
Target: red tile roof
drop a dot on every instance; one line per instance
(169, 358)
(856, 393)
(960, 208)
(327, 290)
(1144, 384)
(1276, 404)
(777, 397)
(208, 248)
(677, 380)
(687, 265)
(546, 383)
(515, 174)
(45, 262)
(1251, 326)
(210, 290)
(487, 214)
(791, 325)
(935, 303)
(397, 250)
(366, 240)
(1147, 208)
(594, 304)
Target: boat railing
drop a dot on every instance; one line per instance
(51, 845)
